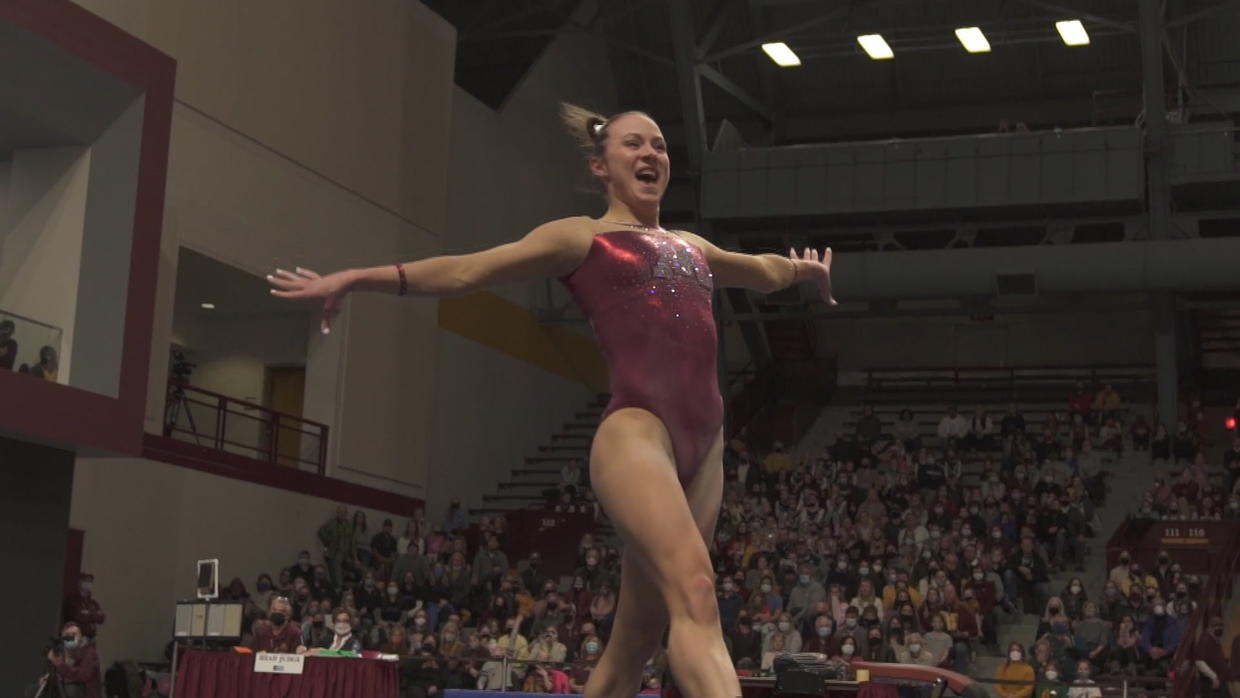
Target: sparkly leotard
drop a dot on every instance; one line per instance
(647, 295)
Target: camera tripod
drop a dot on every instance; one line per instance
(172, 414)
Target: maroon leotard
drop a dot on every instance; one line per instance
(647, 295)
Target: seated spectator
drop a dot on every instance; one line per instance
(1015, 669)
(1160, 637)
(591, 650)
(938, 643)
(546, 648)
(906, 431)
(1140, 433)
(952, 428)
(981, 432)
(777, 461)
(1183, 443)
(914, 651)
(1026, 576)
(805, 594)
(1126, 656)
(395, 643)
(1050, 681)
(278, 632)
(775, 647)
(869, 428)
(1106, 403)
(1092, 635)
(1081, 402)
(76, 666)
(302, 569)
(745, 644)
(8, 345)
(1083, 686)
(317, 631)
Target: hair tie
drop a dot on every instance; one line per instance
(596, 127)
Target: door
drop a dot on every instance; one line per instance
(286, 389)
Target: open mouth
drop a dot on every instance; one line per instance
(647, 176)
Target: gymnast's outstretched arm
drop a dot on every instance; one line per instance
(548, 250)
(767, 272)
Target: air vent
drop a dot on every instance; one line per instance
(1016, 285)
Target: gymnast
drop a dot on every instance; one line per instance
(656, 460)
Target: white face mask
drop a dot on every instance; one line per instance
(343, 629)
(783, 626)
(847, 650)
(1052, 674)
(914, 648)
(1014, 655)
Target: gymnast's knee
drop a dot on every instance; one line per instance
(694, 597)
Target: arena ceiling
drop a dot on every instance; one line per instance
(931, 87)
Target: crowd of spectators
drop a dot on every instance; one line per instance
(893, 545)
(453, 617)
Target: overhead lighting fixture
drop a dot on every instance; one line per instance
(875, 46)
(781, 54)
(208, 306)
(1073, 32)
(973, 40)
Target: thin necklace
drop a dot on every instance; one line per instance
(643, 226)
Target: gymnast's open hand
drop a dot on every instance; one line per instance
(305, 284)
(821, 270)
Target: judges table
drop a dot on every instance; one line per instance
(203, 674)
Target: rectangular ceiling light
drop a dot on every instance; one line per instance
(875, 46)
(781, 54)
(1073, 32)
(973, 39)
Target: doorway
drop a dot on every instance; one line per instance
(286, 390)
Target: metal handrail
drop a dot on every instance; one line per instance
(274, 421)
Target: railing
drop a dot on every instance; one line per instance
(235, 426)
(1213, 601)
(1007, 376)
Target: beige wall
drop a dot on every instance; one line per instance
(314, 135)
(41, 228)
(146, 523)
(510, 171)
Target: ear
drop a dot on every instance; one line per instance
(598, 167)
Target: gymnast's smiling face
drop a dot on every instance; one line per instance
(634, 166)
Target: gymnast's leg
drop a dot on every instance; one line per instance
(634, 476)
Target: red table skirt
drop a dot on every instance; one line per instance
(202, 674)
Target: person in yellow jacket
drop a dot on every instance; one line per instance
(1014, 669)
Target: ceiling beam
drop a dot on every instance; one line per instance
(777, 35)
(1204, 13)
(717, 24)
(1069, 13)
(726, 84)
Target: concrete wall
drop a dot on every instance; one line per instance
(510, 171)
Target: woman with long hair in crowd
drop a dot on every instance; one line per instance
(656, 460)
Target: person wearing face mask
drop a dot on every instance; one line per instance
(782, 626)
(1084, 686)
(1091, 634)
(1015, 669)
(83, 608)
(317, 632)
(1160, 637)
(490, 564)
(74, 670)
(914, 651)
(1073, 597)
(746, 643)
(1051, 682)
(805, 594)
(730, 604)
(342, 638)
(279, 632)
(822, 638)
